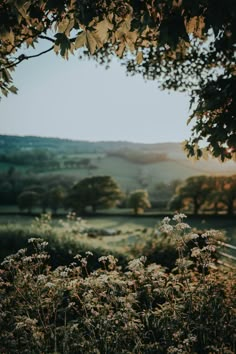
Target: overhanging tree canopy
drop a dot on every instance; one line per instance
(185, 45)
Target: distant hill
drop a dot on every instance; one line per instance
(11, 142)
(133, 165)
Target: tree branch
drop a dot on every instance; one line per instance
(23, 57)
(46, 37)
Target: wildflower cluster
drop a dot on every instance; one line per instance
(43, 223)
(143, 308)
(73, 225)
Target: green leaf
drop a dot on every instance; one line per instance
(64, 43)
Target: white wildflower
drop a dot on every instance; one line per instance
(64, 273)
(166, 228)
(193, 236)
(102, 259)
(195, 252)
(136, 264)
(211, 248)
(33, 239)
(182, 226)
(88, 253)
(179, 217)
(78, 257)
(84, 262)
(50, 285)
(166, 220)
(41, 278)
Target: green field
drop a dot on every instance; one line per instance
(131, 225)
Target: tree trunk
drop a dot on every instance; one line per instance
(196, 206)
(230, 207)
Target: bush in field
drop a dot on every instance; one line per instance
(144, 309)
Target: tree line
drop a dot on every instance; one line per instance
(206, 193)
(197, 194)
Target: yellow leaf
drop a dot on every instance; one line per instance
(11, 37)
(120, 50)
(183, 145)
(62, 26)
(70, 27)
(110, 16)
(132, 36)
(102, 30)
(139, 57)
(196, 26)
(56, 49)
(124, 27)
(91, 42)
(80, 40)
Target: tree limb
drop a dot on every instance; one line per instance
(23, 57)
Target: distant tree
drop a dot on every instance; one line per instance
(55, 198)
(28, 200)
(41, 190)
(139, 200)
(95, 192)
(35, 188)
(224, 193)
(6, 193)
(163, 192)
(193, 192)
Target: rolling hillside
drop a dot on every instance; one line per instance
(133, 165)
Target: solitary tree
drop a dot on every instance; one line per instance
(55, 198)
(139, 200)
(95, 192)
(192, 193)
(185, 45)
(28, 200)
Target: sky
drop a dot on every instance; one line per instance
(78, 99)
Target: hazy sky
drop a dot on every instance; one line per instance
(80, 100)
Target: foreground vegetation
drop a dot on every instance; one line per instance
(165, 294)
